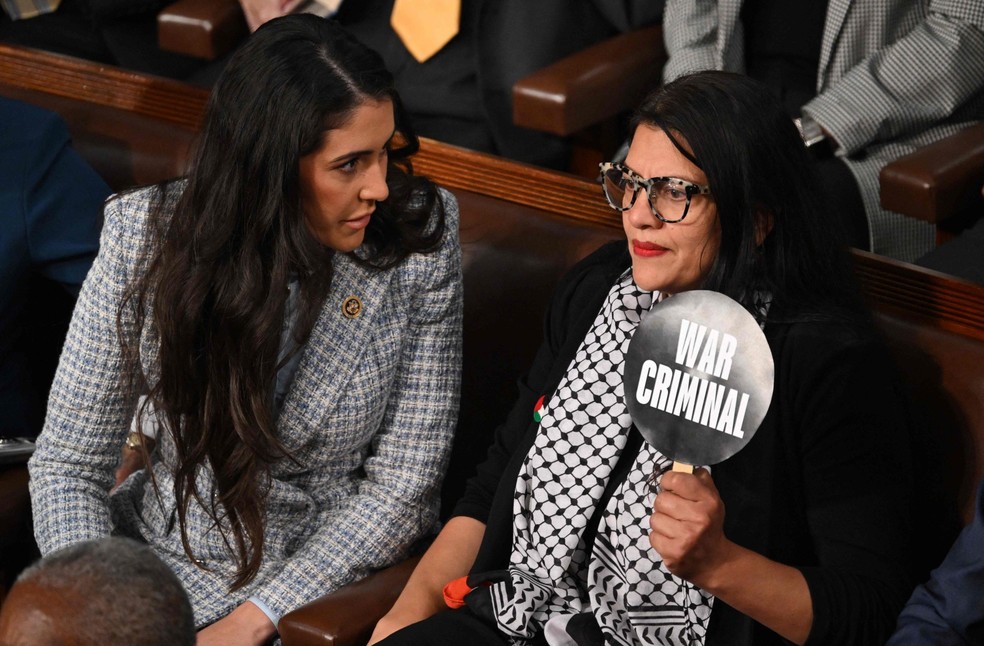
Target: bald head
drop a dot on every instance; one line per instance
(29, 617)
(109, 591)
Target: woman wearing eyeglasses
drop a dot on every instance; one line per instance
(802, 537)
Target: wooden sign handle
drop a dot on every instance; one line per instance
(682, 467)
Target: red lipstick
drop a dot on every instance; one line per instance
(647, 249)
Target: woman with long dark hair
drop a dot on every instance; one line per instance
(566, 536)
(289, 316)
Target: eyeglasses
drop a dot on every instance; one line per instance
(669, 197)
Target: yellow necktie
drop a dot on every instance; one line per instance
(425, 26)
(19, 9)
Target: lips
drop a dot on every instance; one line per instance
(647, 249)
(359, 222)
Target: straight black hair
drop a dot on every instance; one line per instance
(763, 182)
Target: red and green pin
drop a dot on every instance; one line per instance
(539, 411)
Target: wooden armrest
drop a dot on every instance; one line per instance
(347, 616)
(591, 85)
(202, 28)
(938, 180)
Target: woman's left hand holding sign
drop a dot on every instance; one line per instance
(688, 526)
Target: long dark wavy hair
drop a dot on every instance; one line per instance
(759, 172)
(222, 253)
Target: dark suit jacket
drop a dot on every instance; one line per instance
(949, 608)
(50, 214)
(463, 95)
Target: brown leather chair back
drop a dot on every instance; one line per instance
(512, 258)
(944, 378)
(133, 129)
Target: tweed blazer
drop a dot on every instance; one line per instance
(894, 75)
(369, 418)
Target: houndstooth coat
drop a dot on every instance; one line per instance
(369, 417)
(893, 75)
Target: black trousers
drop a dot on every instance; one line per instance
(447, 628)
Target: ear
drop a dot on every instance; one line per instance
(764, 221)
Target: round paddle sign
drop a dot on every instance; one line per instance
(698, 377)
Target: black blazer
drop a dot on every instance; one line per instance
(825, 485)
(463, 95)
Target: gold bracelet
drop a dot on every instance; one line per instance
(136, 440)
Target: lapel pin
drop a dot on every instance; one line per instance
(539, 411)
(352, 307)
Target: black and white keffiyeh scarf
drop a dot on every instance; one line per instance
(620, 592)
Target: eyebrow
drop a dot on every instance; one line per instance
(686, 179)
(360, 153)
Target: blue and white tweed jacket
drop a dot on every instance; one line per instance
(369, 417)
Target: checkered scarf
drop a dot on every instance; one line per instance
(620, 592)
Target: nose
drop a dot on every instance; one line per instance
(375, 188)
(640, 215)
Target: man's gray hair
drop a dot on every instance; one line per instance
(123, 593)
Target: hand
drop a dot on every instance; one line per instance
(259, 11)
(131, 460)
(245, 625)
(688, 525)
